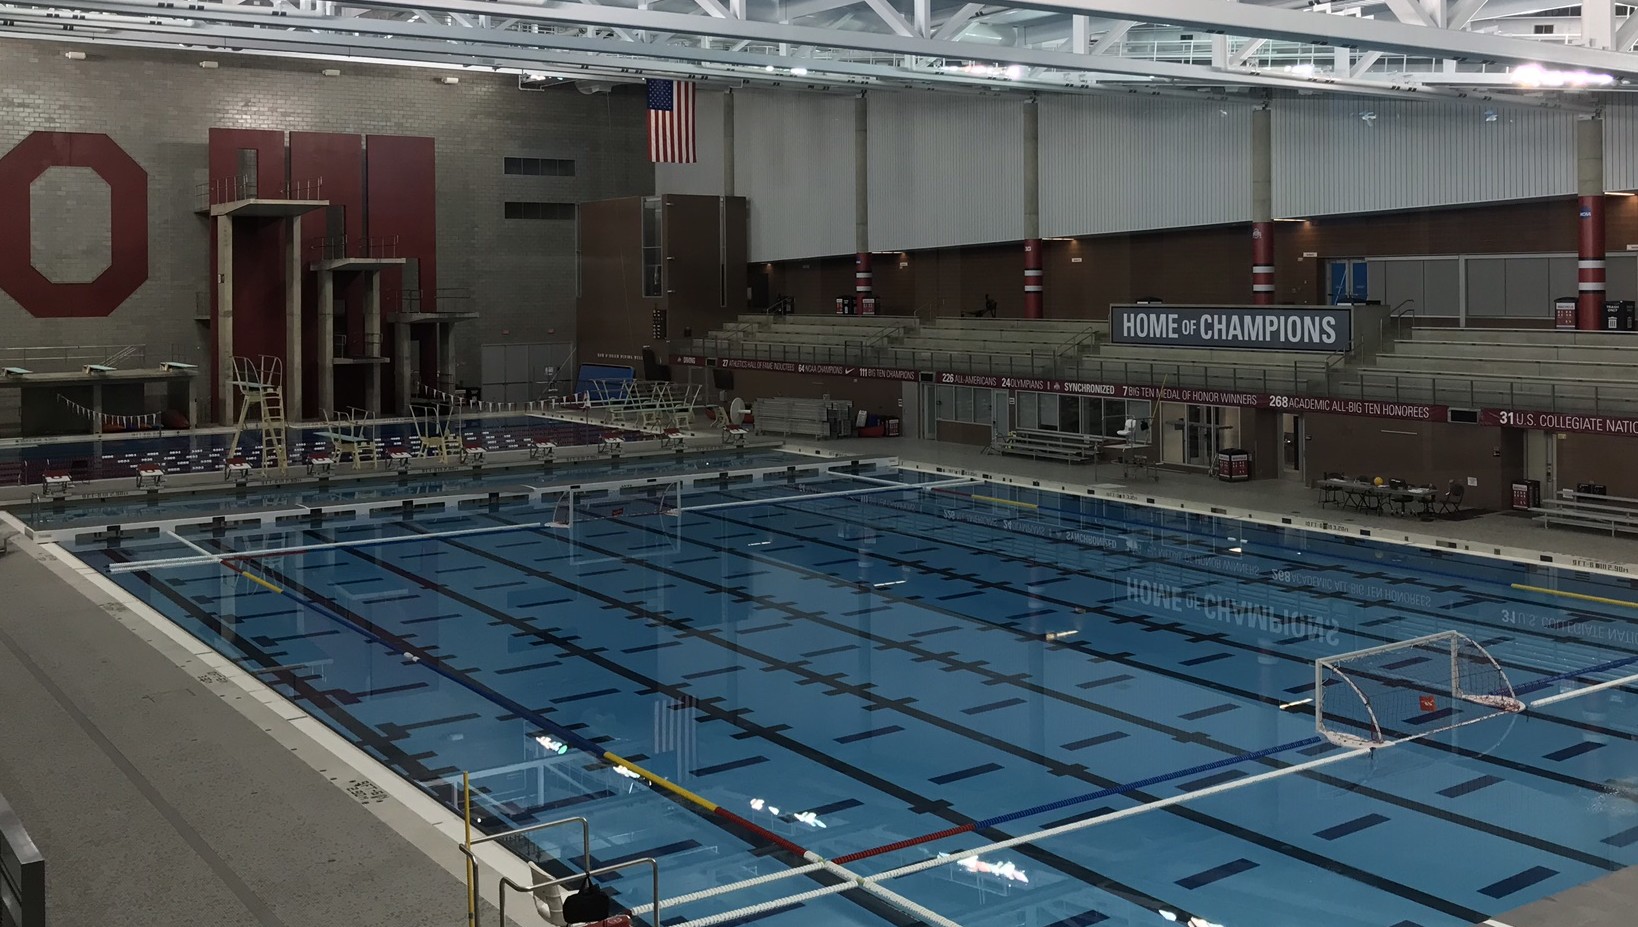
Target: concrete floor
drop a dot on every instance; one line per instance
(163, 793)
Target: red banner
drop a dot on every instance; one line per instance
(1558, 421)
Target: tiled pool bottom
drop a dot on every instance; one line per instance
(853, 671)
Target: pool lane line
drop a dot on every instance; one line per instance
(864, 778)
(373, 633)
(1575, 595)
(1246, 834)
(1063, 803)
(709, 806)
(1413, 805)
(1145, 618)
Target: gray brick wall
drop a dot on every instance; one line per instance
(159, 107)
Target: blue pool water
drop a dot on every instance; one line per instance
(854, 670)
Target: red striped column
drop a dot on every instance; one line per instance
(1262, 263)
(1034, 280)
(1589, 264)
(864, 282)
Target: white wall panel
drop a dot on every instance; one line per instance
(704, 176)
(1328, 159)
(794, 161)
(1621, 146)
(1111, 164)
(945, 169)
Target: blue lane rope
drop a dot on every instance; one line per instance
(1540, 684)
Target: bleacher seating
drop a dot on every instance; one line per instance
(1562, 371)
(1052, 445)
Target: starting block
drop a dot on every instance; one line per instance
(150, 476)
(237, 469)
(320, 464)
(611, 444)
(735, 435)
(57, 483)
(673, 438)
(400, 458)
(542, 449)
(473, 453)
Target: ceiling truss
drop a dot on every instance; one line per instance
(1419, 49)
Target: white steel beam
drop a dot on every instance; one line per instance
(1080, 34)
(1247, 52)
(1409, 11)
(1322, 29)
(1627, 34)
(952, 27)
(1463, 13)
(893, 19)
(1113, 37)
(1598, 23)
(1364, 64)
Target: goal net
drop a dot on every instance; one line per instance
(595, 518)
(1407, 690)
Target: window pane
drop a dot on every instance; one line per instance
(981, 406)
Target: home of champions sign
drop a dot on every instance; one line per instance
(1266, 329)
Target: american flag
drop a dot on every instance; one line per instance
(671, 121)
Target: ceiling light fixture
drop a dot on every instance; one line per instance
(1534, 75)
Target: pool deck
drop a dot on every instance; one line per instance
(165, 791)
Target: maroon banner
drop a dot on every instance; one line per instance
(1558, 421)
(1210, 397)
(773, 366)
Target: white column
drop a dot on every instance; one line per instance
(292, 321)
(728, 143)
(1598, 23)
(325, 338)
(224, 319)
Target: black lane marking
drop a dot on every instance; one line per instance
(1252, 837)
(1625, 838)
(1124, 677)
(527, 667)
(981, 709)
(1514, 765)
(1519, 882)
(1207, 712)
(1213, 875)
(704, 771)
(911, 798)
(1350, 827)
(704, 674)
(1084, 919)
(967, 773)
(647, 647)
(1570, 752)
(1198, 661)
(878, 732)
(1378, 795)
(582, 696)
(1471, 785)
(1206, 782)
(1094, 741)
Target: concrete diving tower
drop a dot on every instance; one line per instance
(227, 201)
(337, 257)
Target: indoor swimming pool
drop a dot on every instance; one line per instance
(847, 660)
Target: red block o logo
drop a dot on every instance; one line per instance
(127, 217)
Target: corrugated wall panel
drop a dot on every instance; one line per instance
(1621, 146)
(1112, 164)
(704, 176)
(1329, 158)
(794, 162)
(945, 169)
